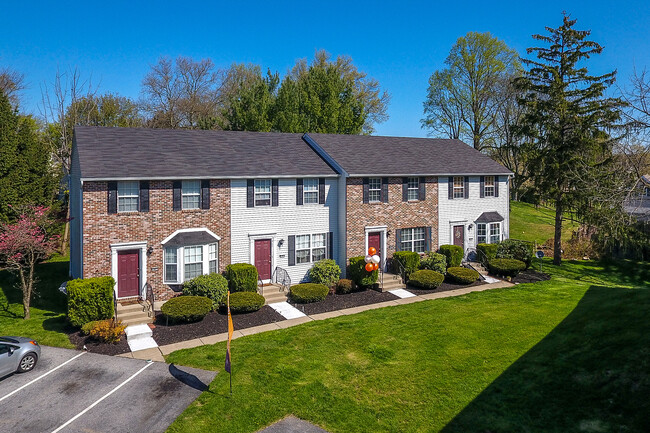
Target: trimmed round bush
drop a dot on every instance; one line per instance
(453, 253)
(458, 274)
(308, 292)
(242, 277)
(358, 272)
(426, 279)
(506, 267)
(434, 262)
(245, 302)
(409, 261)
(515, 249)
(325, 272)
(187, 308)
(344, 286)
(214, 286)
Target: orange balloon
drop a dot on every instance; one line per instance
(370, 267)
(375, 266)
(372, 251)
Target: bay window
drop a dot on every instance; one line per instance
(187, 262)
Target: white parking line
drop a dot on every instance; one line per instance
(42, 376)
(103, 398)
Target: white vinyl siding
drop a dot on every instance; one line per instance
(374, 190)
(413, 188)
(263, 192)
(128, 193)
(191, 192)
(310, 191)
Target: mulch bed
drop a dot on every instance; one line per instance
(530, 276)
(349, 300)
(96, 347)
(444, 287)
(213, 323)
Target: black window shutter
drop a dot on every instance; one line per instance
(321, 191)
(274, 192)
(205, 194)
(330, 236)
(144, 196)
(496, 186)
(177, 194)
(292, 250)
(466, 187)
(450, 183)
(112, 197)
(482, 186)
(366, 190)
(250, 193)
(299, 190)
(423, 189)
(384, 190)
(427, 238)
(398, 239)
(405, 189)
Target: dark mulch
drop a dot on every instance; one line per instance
(530, 276)
(96, 347)
(444, 287)
(213, 323)
(338, 302)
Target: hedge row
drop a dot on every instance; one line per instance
(90, 299)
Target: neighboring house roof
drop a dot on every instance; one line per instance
(637, 204)
(364, 155)
(489, 217)
(144, 153)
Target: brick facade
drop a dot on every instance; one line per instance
(101, 229)
(396, 214)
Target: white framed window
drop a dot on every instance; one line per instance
(495, 232)
(413, 239)
(191, 191)
(459, 187)
(171, 265)
(311, 248)
(262, 192)
(488, 233)
(187, 262)
(303, 248)
(128, 193)
(310, 191)
(413, 188)
(318, 247)
(374, 190)
(481, 233)
(213, 261)
(488, 186)
(192, 262)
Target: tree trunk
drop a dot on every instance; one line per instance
(66, 230)
(27, 290)
(557, 242)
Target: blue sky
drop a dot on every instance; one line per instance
(398, 43)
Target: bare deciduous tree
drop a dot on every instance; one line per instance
(11, 83)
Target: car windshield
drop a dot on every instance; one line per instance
(8, 340)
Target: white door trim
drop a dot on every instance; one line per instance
(383, 230)
(142, 246)
(251, 248)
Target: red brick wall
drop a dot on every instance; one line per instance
(101, 229)
(396, 214)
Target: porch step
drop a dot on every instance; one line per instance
(391, 282)
(479, 267)
(273, 294)
(133, 314)
(139, 337)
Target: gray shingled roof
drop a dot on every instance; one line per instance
(143, 153)
(384, 156)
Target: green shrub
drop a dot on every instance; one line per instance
(514, 249)
(105, 331)
(325, 272)
(458, 274)
(90, 299)
(506, 267)
(426, 279)
(245, 302)
(213, 286)
(187, 308)
(453, 254)
(489, 252)
(308, 292)
(344, 286)
(434, 262)
(358, 273)
(242, 277)
(409, 261)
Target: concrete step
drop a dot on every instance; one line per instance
(139, 337)
(129, 308)
(275, 298)
(136, 320)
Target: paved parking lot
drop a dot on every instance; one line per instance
(72, 391)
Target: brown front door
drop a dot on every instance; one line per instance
(263, 258)
(374, 240)
(459, 236)
(128, 273)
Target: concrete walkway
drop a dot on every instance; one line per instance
(158, 353)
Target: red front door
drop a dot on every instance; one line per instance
(374, 240)
(263, 258)
(459, 236)
(128, 273)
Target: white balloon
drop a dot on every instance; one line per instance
(368, 259)
(375, 258)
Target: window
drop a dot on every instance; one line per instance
(481, 234)
(311, 248)
(374, 190)
(459, 187)
(171, 265)
(212, 259)
(495, 232)
(191, 191)
(318, 247)
(488, 186)
(302, 248)
(413, 188)
(413, 240)
(127, 196)
(488, 233)
(263, 192)
(193, 260)
(310, 191)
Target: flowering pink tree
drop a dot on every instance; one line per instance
(25, 243)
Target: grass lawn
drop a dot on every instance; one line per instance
(48, 320)
(570, 354)
(536, 224)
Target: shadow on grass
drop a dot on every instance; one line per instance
(47, 296)
(59, 324)
(590, 374)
